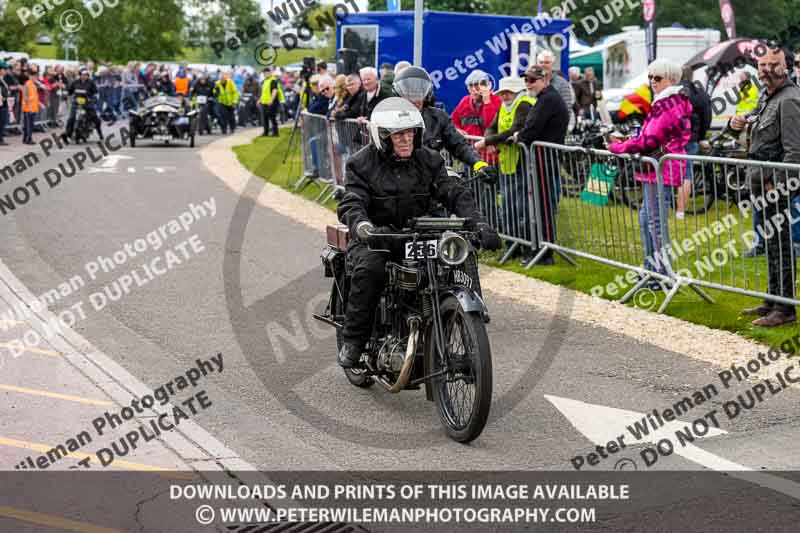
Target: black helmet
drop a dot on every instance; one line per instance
(414, 84)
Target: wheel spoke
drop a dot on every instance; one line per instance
(457, 388)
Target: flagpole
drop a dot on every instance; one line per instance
(418, 4)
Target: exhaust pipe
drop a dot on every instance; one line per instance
(408, 361)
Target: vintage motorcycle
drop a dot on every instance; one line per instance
(163, 118)
(83, 128)
(430, 325)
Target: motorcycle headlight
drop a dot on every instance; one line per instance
(453, 248)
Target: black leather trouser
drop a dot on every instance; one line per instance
(368, 277)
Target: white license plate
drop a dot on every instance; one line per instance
(202, 99)
(162, 137)
(422, 249)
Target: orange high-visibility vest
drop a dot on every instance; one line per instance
(182, 86)
(30, 98)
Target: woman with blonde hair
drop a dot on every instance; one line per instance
(666, 130)
(339, 92)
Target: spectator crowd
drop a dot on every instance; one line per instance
(488, 126)
(32, 99)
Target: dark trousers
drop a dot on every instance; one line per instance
(27, 126)
(780, 264)
(366, 283)
(205, 124)
(269, 116)
(227, 118)
(3, 122)
(548, 181)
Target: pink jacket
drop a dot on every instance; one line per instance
(667, 126)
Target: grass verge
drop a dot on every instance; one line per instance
(264, 157)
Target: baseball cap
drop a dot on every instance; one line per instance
(536, 73)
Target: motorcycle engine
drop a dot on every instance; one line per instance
(392, 353)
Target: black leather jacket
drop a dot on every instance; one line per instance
(89, 86)
(440, 133)
(388, 192)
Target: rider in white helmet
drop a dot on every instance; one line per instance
(390, 181)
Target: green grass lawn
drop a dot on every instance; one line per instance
(44, 52)
(264, 157)
(284, 57)
(589, 228)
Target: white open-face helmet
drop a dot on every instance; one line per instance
(394, 115)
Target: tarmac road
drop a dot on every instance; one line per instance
(281, 403)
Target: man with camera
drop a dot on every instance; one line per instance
(775, 137)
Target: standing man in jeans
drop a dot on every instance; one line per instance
(775, 137)
(547, 121)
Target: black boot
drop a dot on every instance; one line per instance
(349, 356)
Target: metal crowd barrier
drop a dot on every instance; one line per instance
(594, 211)
(587, 204)
(507, 204)
(327, 145)
(316, 151)
(725, 219)
(620, 210)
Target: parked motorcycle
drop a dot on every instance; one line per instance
(577, 167)
(430, 325)
(718, 180)
(83, 127)
(163, 118)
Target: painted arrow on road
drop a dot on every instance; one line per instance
(601, 424)
(109, 165)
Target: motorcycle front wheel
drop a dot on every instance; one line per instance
(463, 395)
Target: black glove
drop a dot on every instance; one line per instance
(489, 238)
(488, 175)
(373, 236)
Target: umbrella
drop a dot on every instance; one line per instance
(728, 55)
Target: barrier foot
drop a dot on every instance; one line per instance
(303, 181)
(537, 257)
(509, 252)
(701, 293)
(670, 295)
(639, 284)
(566, 257)
(324, 190)
(329, 196)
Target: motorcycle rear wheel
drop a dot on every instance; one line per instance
(463, 396)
